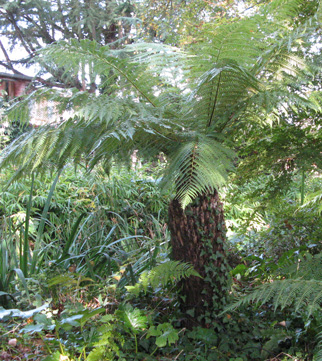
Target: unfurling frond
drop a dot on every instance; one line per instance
(198, 165)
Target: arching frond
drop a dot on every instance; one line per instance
(297, 293)
(301, 289)
(161, 275)
(314, 201)
(117, 73)
(102, 128)
(220, 93)
(318, 353)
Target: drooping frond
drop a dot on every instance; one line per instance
(117, 73)
(102, 128)
(314, 202)
(198, 165)
(318, 353)
(50, 146)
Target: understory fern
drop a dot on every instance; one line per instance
(302, 290)
(161, 275)
(298, 293)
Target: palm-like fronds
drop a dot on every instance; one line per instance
(221, 92)
(117, 73)
(153, 99)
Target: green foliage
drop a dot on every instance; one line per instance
(297, 292)
(300, 290)
(243, 87)
(164, 333)
(198, 166)
(161, 275)
(226, 88)
(133, 318)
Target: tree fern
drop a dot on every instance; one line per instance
(233, 82)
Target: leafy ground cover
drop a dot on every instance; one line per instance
(98, 284)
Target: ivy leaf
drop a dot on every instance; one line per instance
(164, 333)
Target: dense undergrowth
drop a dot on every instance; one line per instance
(86, 272)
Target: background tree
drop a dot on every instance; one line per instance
(28, 26)
(193, 108)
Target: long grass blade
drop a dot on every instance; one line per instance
(24, 265)
(35, 258)
(71, 237)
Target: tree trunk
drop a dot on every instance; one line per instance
(198, 237)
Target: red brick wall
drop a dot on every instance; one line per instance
(14, 87)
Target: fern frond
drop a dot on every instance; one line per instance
(119, 73)
(283, 293)
(221, 91)
(198, 165)
(134, 319)
(314, 201)
(318, 353)
(309, 268)
(161, 275)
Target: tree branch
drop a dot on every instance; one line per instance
(42, 30)
(6, 56)
(29, 48)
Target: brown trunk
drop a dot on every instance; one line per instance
(198, 237)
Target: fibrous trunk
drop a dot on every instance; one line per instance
(198, 237)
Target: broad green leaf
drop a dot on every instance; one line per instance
(23, 314)
(133, 318)
(165, 333)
